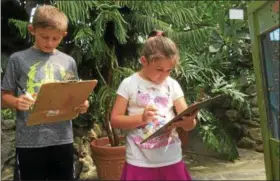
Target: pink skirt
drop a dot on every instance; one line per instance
(177, 171)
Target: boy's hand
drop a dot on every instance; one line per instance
(187, 123)
(82, 108)
(24, 103)
(149, 114)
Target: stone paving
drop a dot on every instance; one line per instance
(204, 164)
(250, 166)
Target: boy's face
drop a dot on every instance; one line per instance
(46, 39)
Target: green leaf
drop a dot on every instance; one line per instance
(146, 23)
(76, 11)
(83, 33)
(215, 47)
(20, 27)
(243, 36)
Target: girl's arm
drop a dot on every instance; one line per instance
(189, 122)
(120, 120)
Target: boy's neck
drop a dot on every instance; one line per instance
(35, 47)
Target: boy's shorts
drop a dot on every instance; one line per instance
(46, 163)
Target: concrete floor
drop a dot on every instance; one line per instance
(204, 165)
(250, 166)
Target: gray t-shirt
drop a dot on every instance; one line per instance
(31, 68)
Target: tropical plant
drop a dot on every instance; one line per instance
(7, 114)
(203, 73)
(215, 68)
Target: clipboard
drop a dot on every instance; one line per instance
(189, 110)
(56, 101)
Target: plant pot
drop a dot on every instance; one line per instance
(109, 160)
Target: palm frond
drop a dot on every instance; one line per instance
(99, 50)
(170, 12)
(113, 15)
(145, 23)
(119, 30)
(198, 68)
(222, 86)
(178, 15)
(194, 39)
(83, 33)
(142, 7)
(173, 11)
(188, 71)
(76, 11)
(19, 26)
(214, 134)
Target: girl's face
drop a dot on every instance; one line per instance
(158, 70)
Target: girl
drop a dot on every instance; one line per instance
(148, 96)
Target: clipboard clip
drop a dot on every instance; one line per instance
(70, 81)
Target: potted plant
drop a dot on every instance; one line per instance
(108, 152)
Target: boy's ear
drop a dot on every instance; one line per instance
(143, 61)
(31, 29)
(65, 33)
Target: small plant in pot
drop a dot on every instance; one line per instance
(108, 152)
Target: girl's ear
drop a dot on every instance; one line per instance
(143, 61)
(31, 29)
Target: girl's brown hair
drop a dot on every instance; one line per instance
(159, 46)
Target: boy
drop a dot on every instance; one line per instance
(44, 152)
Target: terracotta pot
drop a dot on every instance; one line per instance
(109, 160)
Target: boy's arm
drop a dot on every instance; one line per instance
(120, 120)
(8, 100)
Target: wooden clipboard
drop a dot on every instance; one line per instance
(189, 110)
(56, 101)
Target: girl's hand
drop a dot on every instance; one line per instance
(188, 122)
(82, 108)
(149, 114)
(23, 102)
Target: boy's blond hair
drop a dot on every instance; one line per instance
(159, 47)
(50, 16)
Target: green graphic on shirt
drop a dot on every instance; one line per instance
(49, 75)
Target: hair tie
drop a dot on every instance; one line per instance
(159, 33)
(156, 33)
